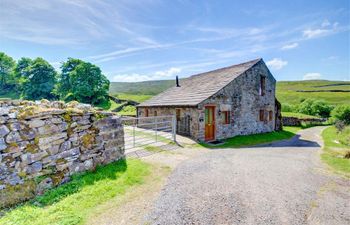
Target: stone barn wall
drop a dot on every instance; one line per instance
(49, 141)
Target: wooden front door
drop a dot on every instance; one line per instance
(209, 123)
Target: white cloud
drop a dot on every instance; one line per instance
(325, 23)
(158, 75)
(290, 46)
(276, 63)
(312, 76)
(168, 73)
(326, 29)
(309, 33)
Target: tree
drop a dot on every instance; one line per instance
(321, 108)
(88, 84)
(21, 71)
(22, 66)
(41, 80)
(7, 65)
(64, 86)
(342, 113)
(315, 108)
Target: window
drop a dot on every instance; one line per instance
(261, 115)
(155, 113)
(270, 115)
(226, 117)
(178, 114)
(146, 112)
(262, 85)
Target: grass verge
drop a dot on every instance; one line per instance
(255, 139)
(334, 151)
(73, 202)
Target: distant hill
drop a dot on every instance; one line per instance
(292, 92)
(143, 88)
(333, 92)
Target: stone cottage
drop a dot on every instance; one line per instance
(235, 100)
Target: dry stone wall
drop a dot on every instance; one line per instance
(293, 121)
(50, 141)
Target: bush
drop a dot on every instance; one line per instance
(344, 136)
(289, 108)
(341, 113)
(340, 125)
(315, 108)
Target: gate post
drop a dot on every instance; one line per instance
(174, 127)
(156, 128)
(133, 131)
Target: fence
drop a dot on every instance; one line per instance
(142, 131)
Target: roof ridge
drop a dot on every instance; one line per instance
(196, 88)
(227, 67)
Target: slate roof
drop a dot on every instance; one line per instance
(197, 88)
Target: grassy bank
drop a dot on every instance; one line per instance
(255, 139)
(74, 202)
(336, 145)
(298, 115)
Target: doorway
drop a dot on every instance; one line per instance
(209, 123)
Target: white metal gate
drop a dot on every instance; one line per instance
(142, 131)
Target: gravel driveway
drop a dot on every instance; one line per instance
(281, 183)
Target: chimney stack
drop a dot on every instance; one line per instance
(177, 81)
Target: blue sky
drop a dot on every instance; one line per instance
(133, 40)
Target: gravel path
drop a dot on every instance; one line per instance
(280, 183)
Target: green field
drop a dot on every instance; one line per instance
(287, 91)
(143, 88)
(336, 146)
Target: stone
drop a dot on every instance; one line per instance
(3, 119)
(56, 120)
(48, 139)
(2, 144)
(13, 115)
(13, 149)
(44, 185)
(4, 130)
(34, 168)
(53, 150)
(13, 137)
(81, 128)
(88, 164)
(65, 146)
(16, 126)
(37, 144)
(63, 166)
(48, 129)
(74, 124)
(62, 126)
(27, 134)
(4, 110)
(36, 123)
(83, 122)
(14, 179)
(49, 160)
(29, 158)
(69, 153)
(76, 167)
